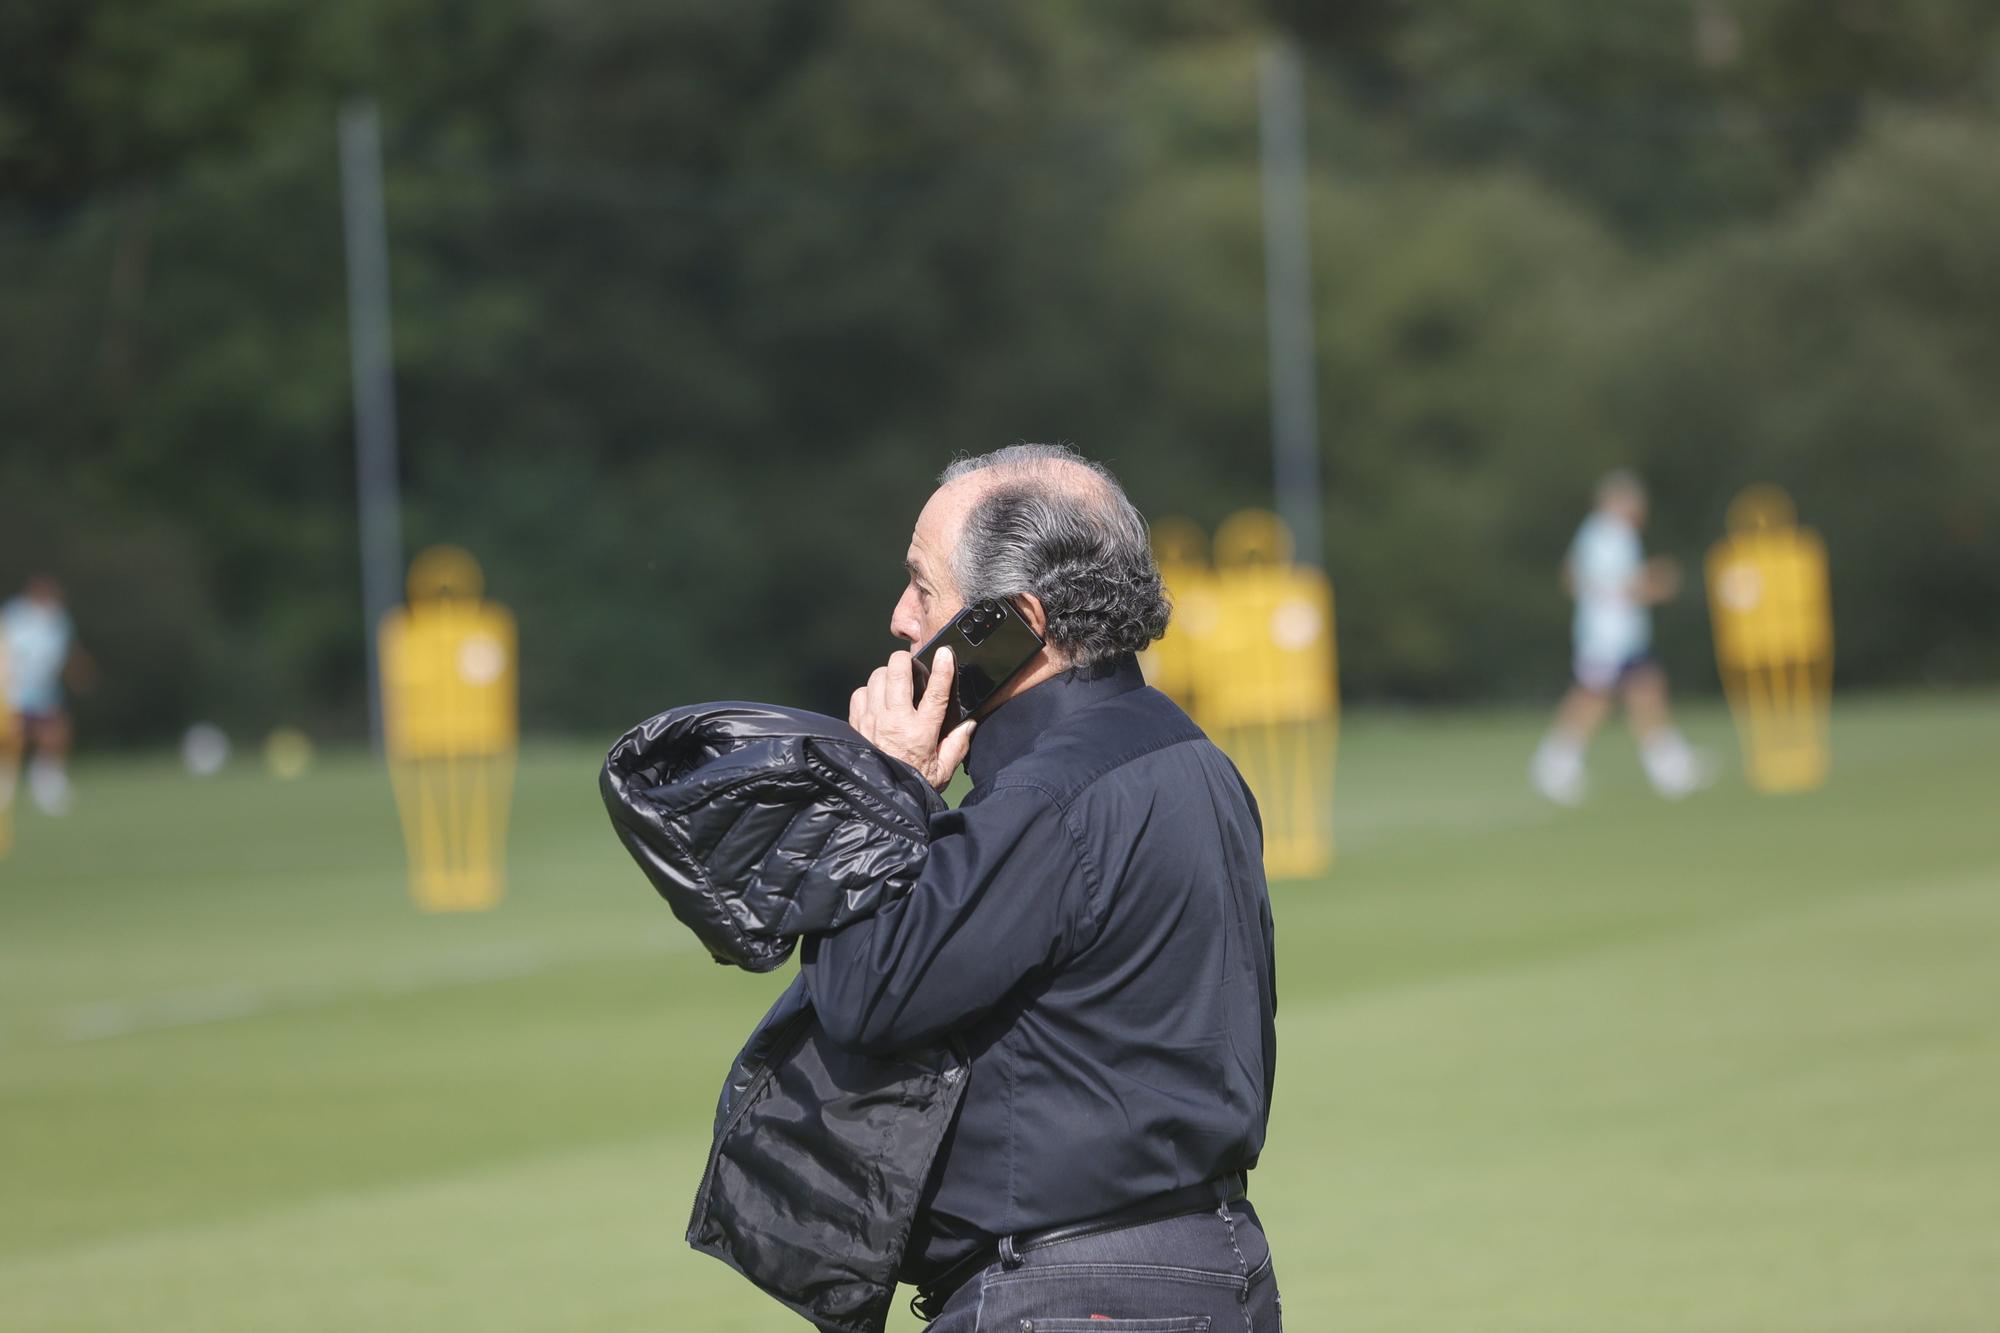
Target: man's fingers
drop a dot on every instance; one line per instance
(938, 690)
(857, 707)
(900, 687)
(953, 749)
(878, 691)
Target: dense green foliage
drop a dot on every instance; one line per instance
(1528, 1081)
(693, 298)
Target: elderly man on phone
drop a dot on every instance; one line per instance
(1091, 924)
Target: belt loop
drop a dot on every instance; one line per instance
(1009, 1256)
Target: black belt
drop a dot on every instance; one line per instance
(930, 1299)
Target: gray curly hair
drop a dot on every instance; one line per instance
(1056, 524)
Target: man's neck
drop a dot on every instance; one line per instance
(1043, 699)
(1043, 666)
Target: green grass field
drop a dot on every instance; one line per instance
(1732, 1065)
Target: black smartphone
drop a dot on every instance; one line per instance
(989, 644)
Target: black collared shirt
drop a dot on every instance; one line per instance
(1093, 923)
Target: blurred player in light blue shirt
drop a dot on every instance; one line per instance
(37, 639)
(1616, 587)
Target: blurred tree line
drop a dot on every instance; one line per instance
(693, 297)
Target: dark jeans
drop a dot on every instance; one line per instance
(1199, 1273)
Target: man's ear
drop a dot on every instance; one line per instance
(1030, 607)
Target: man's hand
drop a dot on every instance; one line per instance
(881, 711)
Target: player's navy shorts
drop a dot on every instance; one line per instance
(1607, 674)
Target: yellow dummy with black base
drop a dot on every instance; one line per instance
(450, 711)
(1172, 664)
(1773, 618)
(1251, 655)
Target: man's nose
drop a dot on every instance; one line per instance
(903, 621)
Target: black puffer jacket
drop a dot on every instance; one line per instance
(757, 825)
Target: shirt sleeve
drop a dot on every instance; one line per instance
(1001, 898)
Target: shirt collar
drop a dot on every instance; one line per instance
(1010, 730)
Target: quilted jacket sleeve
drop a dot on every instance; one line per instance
(758, 825)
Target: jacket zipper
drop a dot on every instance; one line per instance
(780, 1048)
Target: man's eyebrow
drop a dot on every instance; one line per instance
(911, 566)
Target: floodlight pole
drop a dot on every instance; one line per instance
(366, 226)
(1288, 308)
